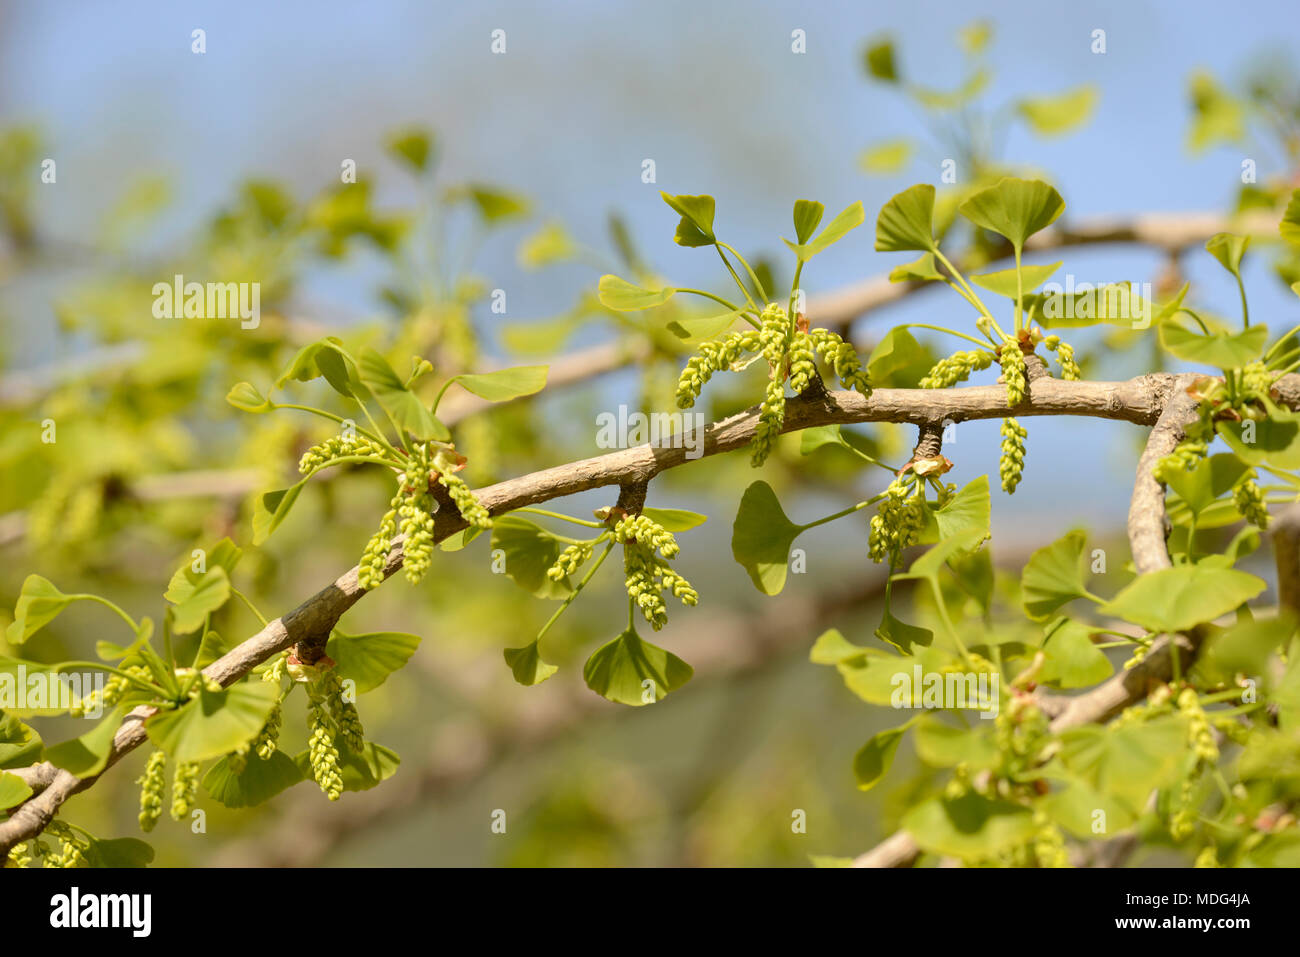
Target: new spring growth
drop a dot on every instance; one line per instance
(412, 509)
(1200, 737)
(113, 689)
(647, 575)
(1249, 500)
(323, 754)
(185, 786)
(72, 846)
(1013, 371)
(152, 784)
(1011, 464)
(900, 517)
(958, 367)
(790, 350)
(1065, 356)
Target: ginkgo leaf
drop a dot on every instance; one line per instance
(1228, 249)
(1004, 282)
(873, 760)
(634, 672)
(906, 222)
(1014, 208)
(761, 538)
(39, 603)
(1054, 576)
(696, 225)
(527, 665)
(1055, 115)
(1174, 599)
(851, 218)
(504, 384)
(623, 296)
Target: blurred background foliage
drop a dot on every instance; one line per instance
(523, 174)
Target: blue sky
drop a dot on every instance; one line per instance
(587, 90)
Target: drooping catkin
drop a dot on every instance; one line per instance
(1011, 464)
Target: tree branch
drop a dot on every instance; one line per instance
(1137, 400)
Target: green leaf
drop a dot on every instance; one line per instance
(326, 358)
(1072, 660)
(369, 659)
(1075, 809)
(885, 158)
(529, 550)
(493, 204)
(761, 538)
(970, 508)
(696, 225)
(1126, 762)
(970, 826)
(807, 214)
(1175, 599)
(634, 672)
(543, 336)
(261, 780)
(1054, 576)
(1274, 440)
(39, 603)
(623, 296)
(1054, 115)
(196, 596)
(550, 244)
(1210, 478)
(527, 665)
(942, 745)
(901, 635)
(88, 755)
(212, 647)
(1245, 649)
(921, 270)
(411, 146)
(214, 723)
(696, 329)
(831, 647)
(1218, 117)
(1289, 227)
(812, 439)
(876, 676)
(244, 396)
(975, 37)
(932, 562)
(505, 384)
(1228, 249)
(851, 218)
(1225, 350)
(1014, 208)
(403, 405)
(20, 745)
(873, 760)
(119, 852)
(271, 508)
(13, 790)
(898, 360)
(879, 61)
(1004, 282)
(675, 519)
(906, 222)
